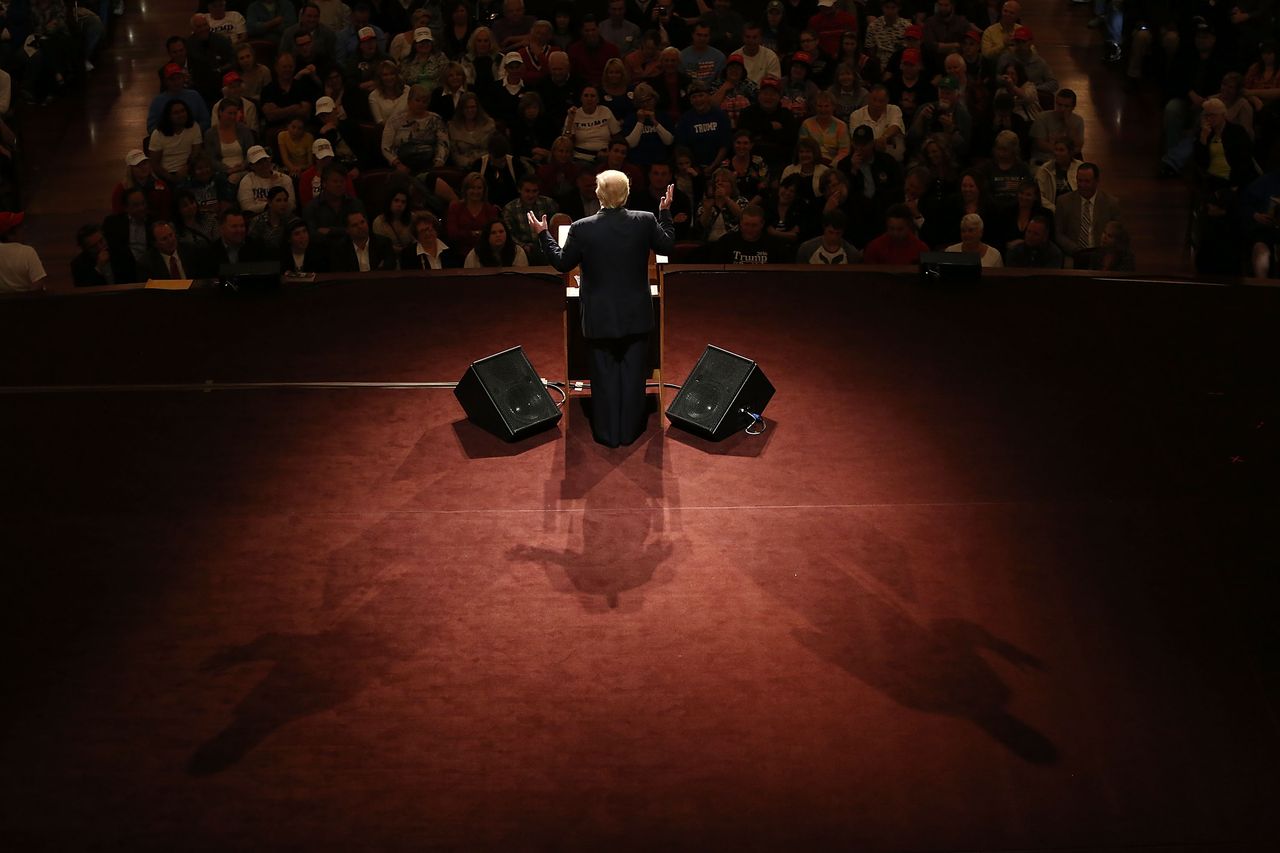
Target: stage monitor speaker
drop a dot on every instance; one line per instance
(252, 277)
(503, 394)
(715, 400)
(950, 266)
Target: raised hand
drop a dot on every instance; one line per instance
(536, 225)
(667, 198)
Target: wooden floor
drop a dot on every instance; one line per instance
(75, 148)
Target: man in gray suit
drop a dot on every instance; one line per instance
(617, 310)
(1081, 215)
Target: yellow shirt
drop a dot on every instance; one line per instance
(1218, 165)
(295, 153)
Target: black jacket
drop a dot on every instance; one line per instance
(382, 255)
(411, 260)
(115, 227)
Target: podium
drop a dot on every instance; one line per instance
(575, 345)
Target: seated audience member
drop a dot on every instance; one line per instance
(971, 227)
(228, 142)
(700, 61)
(415, 140)
(751, 243)
(1111, 254)
(830, 247)
(642, 63)
(658, 178)
(395, 221)
(500, 170)
(294, 147)
(470, 130)
(536, 52)
(129, 234)
(808, 167)
(167, 259)
(211, 192)
(1013, 227)
(253, 74)
(558, 177)
(232, 245)
(831, 134)
(1025, 100)
(875, 182)
(615, 158)
(589, 54)
(997, 37)
(300, 254)
(1259, 223)
(943, 31)
(721, 208)
(672, 85)
(390, 95)
(532, 134)
(647, 132)
(196, 228)
(268, 19)
(948, 117)
(1036, 250)
(847, 92)
(425, 65)
(923, 206)
(310, 182)
(327, 213)
(175, 88)
(787, 216)
(970, 197)
(705, 131)
(266, 231)
(215, 49)
(1005, 172)
(773, 127)
(1081, 215)
(749, 169)
(20, 267)
(515, 216)
(615, 91)
(254, 187)
(885, 121)
(1223, 150)
(1057, 176)
(1022, 52)
(798, 87)
(1061, 122)
(230, 25)
(899, 244)
(583, 200)
(884, 33)
(94, 266)
(617, 29)
(496, 249)
(468, 217)
(428, 251)
(288, 96)
(359, 250)
(590, 126)
(733, 92)
(1239, 109)
(502, 98)
(1003, 118)
(138, 173)
(173, 142)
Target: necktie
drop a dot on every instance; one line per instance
(173, 267)
(1086, 224)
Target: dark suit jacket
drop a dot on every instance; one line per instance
(316, 260)
(1067, 219)
(217, 256)
(411, 260)
(1237, 145)
(115, 227)
(612, 248)
(382, 255)
(153, 264)
(84, 271)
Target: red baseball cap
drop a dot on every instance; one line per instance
(801, 56)
(10, 221)
(173, 69)
(913, 31)
(1022, 34)
(911, 56)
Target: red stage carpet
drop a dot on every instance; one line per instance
(1000, 575)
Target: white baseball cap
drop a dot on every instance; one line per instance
(321, 148)
(325, 105)
(257, 153)
(134, 157)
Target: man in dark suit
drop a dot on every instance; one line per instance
(129, 235)
(362, 251)
(1080, 216)
(167, 259)
(95, 265)
(231, 247)
(612, 248)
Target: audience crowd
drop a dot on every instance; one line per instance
(418, 133)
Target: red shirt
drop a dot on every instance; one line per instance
(459, 223)
(589, 64)
(882, 250)
(831, 29)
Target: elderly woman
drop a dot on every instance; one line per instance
(971, 242)
(228, 142)
(483, 60)
(427, 251)
(469, 133)
(390, 95)
(1223, 151)
(415, 140)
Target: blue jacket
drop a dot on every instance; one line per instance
(612, 248)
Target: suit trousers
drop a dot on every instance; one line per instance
(619, 369)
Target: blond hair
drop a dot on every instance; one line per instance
(612, 188)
